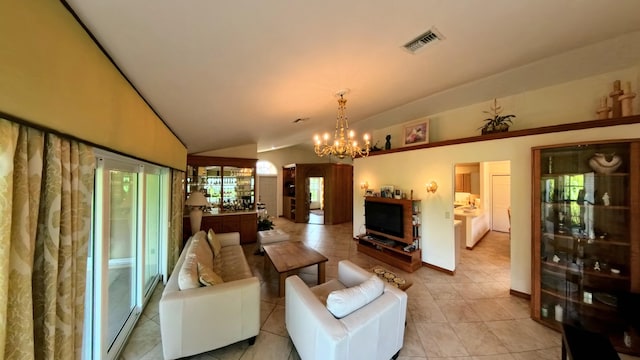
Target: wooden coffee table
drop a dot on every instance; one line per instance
(289, 256)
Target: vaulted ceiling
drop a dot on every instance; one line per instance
(223, 74)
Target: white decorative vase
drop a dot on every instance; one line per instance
(603, 164)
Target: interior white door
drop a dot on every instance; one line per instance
(267, 186)
(500, 202)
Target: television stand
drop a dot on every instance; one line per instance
(393, 254)
(402, 252)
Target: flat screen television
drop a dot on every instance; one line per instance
(384, 218)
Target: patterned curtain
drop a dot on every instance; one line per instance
(27, 177)
(8, 142)
(177, 212)
(45, 220)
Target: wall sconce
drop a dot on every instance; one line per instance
(364, 186)
(432, 186)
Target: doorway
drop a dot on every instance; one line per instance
(268, 193)
(316, 200)
(481, 203)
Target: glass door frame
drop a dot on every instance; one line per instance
(98, 289)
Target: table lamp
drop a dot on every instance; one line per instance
(196, 202)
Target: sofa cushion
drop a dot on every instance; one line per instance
(188, 276)
(200, 247)
(343, 302)
(207, 276)
(231, 264)
(214, 242)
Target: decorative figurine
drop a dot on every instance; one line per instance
(605, 199)
(603, 110)
(596, 266)
(626, 100)
(387, 145)
(616, 107)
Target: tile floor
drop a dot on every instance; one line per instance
(467, 316)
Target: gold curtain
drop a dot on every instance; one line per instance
(177, 212)
(45, 222)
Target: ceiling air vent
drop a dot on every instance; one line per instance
(431, 36)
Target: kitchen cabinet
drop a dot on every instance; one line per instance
(586, 238)
(463, 183)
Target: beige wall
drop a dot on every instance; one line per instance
(412, 169)
(54, 76)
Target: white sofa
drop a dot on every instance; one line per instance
(374, 331)
(205, 318)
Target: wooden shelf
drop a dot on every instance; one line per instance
(391, 254)
(392, 250)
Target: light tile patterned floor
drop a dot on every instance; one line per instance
(467, 316)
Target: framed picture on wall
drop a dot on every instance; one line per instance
(416, 133)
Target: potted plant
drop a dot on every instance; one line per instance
(264, 223)
(497, 122)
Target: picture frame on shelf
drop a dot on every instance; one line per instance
(415, 133)
(386, 191)
(397, 194)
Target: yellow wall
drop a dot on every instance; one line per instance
(53, 75)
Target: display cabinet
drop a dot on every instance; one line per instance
(229, 186)
(228, 183)
(586, 238)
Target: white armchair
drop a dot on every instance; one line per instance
(374, 331)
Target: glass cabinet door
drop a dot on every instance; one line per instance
(227, 188)
(238, 188)
(583, 240)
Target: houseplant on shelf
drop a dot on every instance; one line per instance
(497, 122)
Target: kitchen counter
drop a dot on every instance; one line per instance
(475, 224)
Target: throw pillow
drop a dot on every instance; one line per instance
(345, 301)
(208, 277)
(214, 242)
(188, 276)
(200, 247)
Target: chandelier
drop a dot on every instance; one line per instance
(344, 143)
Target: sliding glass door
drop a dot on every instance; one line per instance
(153, 218)
(122, 250)
(129, 230)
